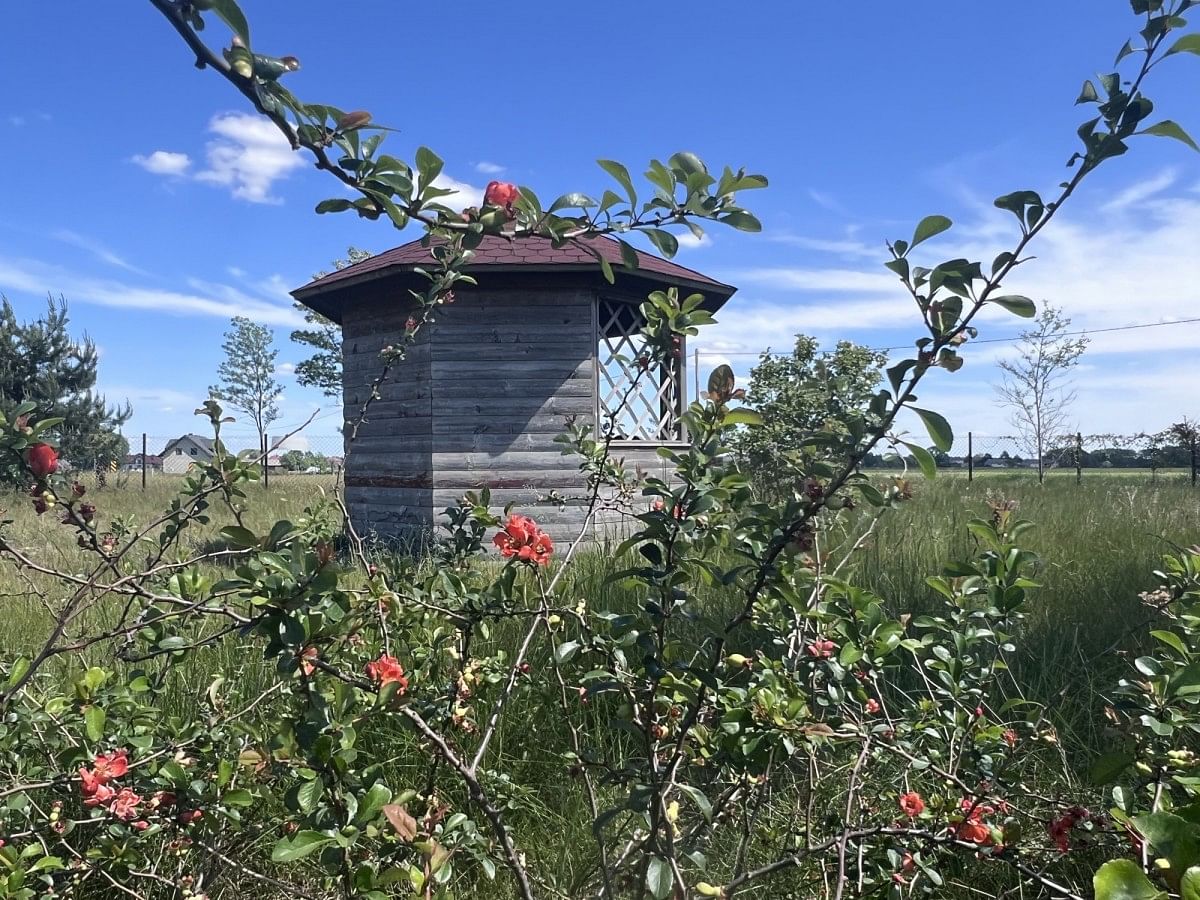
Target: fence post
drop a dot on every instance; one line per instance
(143, 460)
(970, 457)
(1194, 442)
(266, 460)
(1079, 457)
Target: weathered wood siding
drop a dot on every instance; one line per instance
(388, 465)
(478, 403)
(510, 368)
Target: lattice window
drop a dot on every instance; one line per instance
(649, 411)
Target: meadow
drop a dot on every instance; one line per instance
(1099, 543)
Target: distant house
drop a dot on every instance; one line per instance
(133, 463)
(180, 453)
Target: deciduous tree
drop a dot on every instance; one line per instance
(247, 375)
(1035, 383)
(323, 369)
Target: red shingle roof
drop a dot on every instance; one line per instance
(536, 253)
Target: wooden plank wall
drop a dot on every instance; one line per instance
(478, 403)
(509, 369)
(388, 466)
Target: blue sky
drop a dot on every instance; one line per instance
(145, 192)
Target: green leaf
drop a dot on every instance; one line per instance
(1088, 94)
(1123, 879)
(337, 204)
(924, 459)
(93, 720)
(742, 221)
(574, 200)
(18, 670)
(1189, 885)
(928, 227)
(298, 846)
(742, 416)
(239, 537)
(621, 174)
(231, 14)
(667, 243)
(238, 797)
(659, 878)
(939, 429)
(1108, 768)
(308, 794)
(1171, 837)
(1017, 305)
(377, 796)
(1189, 43)
(429, 165)
(1171, 639)
(1167, 128)
(565, 651)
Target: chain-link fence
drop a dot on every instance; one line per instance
(1162, 454)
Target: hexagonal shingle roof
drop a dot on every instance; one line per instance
(502, 254)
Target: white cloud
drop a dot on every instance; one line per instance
(843, 247)
(219, 300)
(97, 250)
(248, 156)
(837, 281)
(466, 194)
(488, 168)
(16, 121)
(163, 162)
(688, 241)
(1140, 191)
(285, 368)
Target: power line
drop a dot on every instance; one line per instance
(1004, 340)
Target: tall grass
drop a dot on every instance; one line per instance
(1099, 543)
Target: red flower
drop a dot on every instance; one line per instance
(500, 193)
(42, 459)
(873, 706)
(163, 799)
(410, 324)
(97, 794)
(911, 804)
(125, 804)
(973, 832)
(111, 765)
(387, 670)
(141, 824)
(521, 538)
(821, 649)
(1010, 737)
(307, 655)
(188, 816)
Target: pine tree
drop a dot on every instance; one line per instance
(247, 376)
(41, 363)
(324, 368)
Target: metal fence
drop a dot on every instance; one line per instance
(305, 457)
(1078, 455)
(150, 457)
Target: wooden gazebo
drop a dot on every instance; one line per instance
(497, 375)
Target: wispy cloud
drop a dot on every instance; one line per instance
(826, 200)
(97, 249)
(163, 162)
(847, 247)
(223, 301)
(489, 168)
(1141, 191)
(17, 121)
(248, 156)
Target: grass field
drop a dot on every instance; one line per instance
(1099, 542)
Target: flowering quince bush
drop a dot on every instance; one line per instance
(287, 712)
